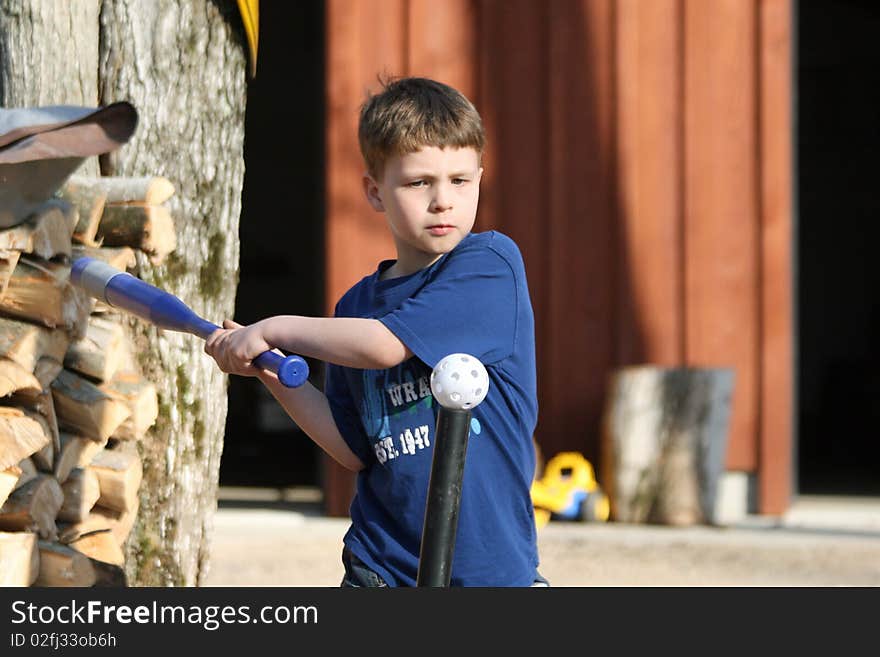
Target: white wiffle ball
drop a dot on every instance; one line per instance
(459, 382)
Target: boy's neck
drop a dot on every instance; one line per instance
(405, 267)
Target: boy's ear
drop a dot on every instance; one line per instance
(371, 190)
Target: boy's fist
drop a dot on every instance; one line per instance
(235, 346)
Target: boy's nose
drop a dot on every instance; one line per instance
(442, 200)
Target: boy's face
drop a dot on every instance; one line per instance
(430, 201)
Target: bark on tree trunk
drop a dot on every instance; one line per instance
(665, 443)
(183, 65)
(49, 56)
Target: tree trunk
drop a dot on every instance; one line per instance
(49, 56)
(182, 65)
(665, 443)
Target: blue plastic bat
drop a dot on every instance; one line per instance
(122, 290)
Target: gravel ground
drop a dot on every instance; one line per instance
(814, 545)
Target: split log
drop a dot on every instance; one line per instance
(101, 518)
(43, 414)
(15, 379)
(97, 354)
(47, 370)
(44, 459)
(20, 436)
(122, 257)
(665, 442)
(81, 492)
(28, 471)
(89, 201)
(121, 522)
(68, 532)
(76, 452)
(129, 362)
(33, 507)
(36, 293)
(101, 546)
(63, 566)
(26, 343)
(8, 481)
(148, 228)
(119, 474)
(46, 233)
(108, 574)
(8, 261)
(19, 559)
(40, 291)
(41, 408)
(142, 400)
(152, 190)
(84, 409)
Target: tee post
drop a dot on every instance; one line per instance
(459, 383)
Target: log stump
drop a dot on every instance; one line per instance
(664, 443)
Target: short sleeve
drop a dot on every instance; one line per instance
(345, 413)
(469, 306)
(337, 389)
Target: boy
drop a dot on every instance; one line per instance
(448, 291)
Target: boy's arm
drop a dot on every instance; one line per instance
(310, 409)
(347, 341)
(307, 405)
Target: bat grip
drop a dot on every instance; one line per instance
(292, 370)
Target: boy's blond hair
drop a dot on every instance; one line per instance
(411, 113)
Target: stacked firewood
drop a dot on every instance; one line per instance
(73, 401)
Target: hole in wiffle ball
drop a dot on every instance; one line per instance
(478, 392)
(465, 359)
(455, 396)
(467, 405)
(475, 374)
(455, 375)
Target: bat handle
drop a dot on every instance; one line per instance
(292, 370)
(164, 310)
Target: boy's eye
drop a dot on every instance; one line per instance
(459, 181)
(417, 183)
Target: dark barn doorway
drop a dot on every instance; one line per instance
(282, 236)
(838, 242)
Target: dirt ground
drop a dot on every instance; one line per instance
(818, 544)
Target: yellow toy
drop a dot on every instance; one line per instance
(568, 491)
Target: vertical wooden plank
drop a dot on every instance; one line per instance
(514, 90)
(579, 335)
(365, 38)
(514, 104)
(442, 42)
(775, 461)
(650, 321)
(721, 209)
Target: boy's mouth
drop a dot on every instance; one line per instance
(440, 229)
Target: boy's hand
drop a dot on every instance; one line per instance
(235, 346)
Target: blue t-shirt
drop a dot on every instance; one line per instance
(473, 300)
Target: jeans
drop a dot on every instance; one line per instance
(358, 574)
